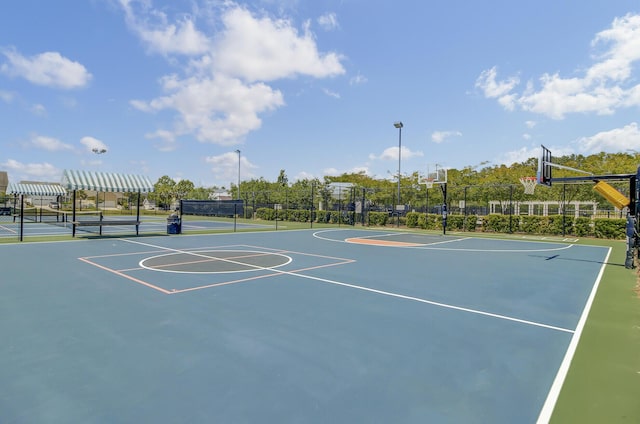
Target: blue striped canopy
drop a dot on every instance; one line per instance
(106, 181)
(36, 189)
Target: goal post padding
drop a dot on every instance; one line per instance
(610, 193)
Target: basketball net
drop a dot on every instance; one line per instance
(529, 184)
(427, 182)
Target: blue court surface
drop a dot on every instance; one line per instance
(309, 326)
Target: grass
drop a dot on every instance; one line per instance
(603, 383)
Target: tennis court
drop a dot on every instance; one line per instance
(59, 224)
(316, 326)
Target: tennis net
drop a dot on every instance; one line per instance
(55, 216)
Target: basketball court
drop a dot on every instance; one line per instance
(316, 326)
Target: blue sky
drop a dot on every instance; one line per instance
(312, 87)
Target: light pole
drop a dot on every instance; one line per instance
(97, 151)
(238, 152)
(399, 126)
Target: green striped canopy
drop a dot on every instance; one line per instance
(106, 181)
(36, 189)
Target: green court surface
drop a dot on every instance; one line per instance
(312, 326)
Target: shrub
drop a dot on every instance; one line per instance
(378, 219)
(609, 228)
(266, 214)
(556, 222)
(470, 222)
(455, 222)
(413, 219)
(582, 227)
(532, 224)
(496, 223)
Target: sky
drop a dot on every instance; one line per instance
(178, 88)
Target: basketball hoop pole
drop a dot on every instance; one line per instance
(443, 187)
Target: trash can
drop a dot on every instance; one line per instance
(174, 224)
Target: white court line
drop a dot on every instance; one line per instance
(569, 246)
(395, 234)
(8, 229)
(370, 290)
(445, 242)
(554, 392)
(426, 246)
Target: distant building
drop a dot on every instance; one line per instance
(149, 205)
(220, 195)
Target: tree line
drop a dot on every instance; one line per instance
(484, 182)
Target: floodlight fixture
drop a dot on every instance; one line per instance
(398, 124)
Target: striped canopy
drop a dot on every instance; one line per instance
(36, 189)
(106, 181)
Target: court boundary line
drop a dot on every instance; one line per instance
(554, 392)
(391, 294)
(13, 232)
(427, 246)
(206, 258)
(157, 249)
(128, 277)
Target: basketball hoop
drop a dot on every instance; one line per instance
(529, 184)
(428, 182)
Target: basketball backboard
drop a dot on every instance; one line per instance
(544, 167)
(437, 174)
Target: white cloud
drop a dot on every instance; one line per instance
(391, 153)
(49, 143)
(303, 176)
(334, 172)
(440, 136)
(525, 153)
(31, 171)
(530, 124)
(92, 144)
(225, 167)
(168, 139)
(331, 93)
(49, 69)
(224, 90)
(604, 87)
(358, 79)
(360, 169)
(160, 36)
(497, 90)
(328, 21)
(616, 140)
(221, 110)
(141, 105)
(517, 156)
(266, 49)
(331, 172)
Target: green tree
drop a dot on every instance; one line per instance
(182, 189)
(163, 191)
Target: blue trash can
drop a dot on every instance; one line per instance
(174, 224)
